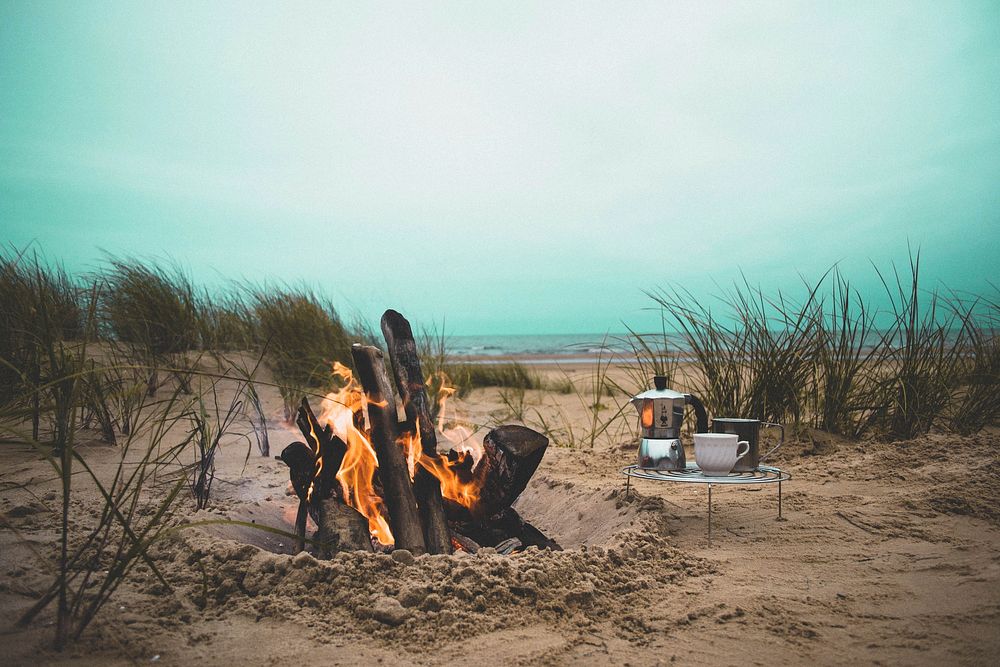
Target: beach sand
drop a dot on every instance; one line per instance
(888, 553)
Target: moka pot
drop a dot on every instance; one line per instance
(661, 413)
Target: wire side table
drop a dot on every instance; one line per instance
(692, 474)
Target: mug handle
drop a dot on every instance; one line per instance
(780, 442)
(746, 448)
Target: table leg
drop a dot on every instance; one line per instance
(709, 515)
(628, 485)
(779, 501)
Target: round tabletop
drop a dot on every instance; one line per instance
(692, 474)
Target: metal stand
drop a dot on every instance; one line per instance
(693, 475)
(709, 515)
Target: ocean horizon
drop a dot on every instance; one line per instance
(563, 347)
(501, 345)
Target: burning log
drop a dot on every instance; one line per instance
(313, 468)
(341, 528)
(509, 546)
(512, 454)
(412, 392)
(328, 451)
(397, 492)
(502, 527)
(300, 461)
(459, 541)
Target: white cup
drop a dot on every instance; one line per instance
(717, 453)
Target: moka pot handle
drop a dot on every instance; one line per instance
(701, 417)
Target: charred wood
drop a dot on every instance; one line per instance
(300, 461)
(512, 454)
(509, 546)
(505, 525)
(341, 528)
(392, 471)
(328, 451)
(467, 544)
(413, 393)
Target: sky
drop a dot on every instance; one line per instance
(506, 167)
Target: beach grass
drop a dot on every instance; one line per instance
(976, 402)
(756, 360)
(153, 309)
(301, 334)
(834, 361)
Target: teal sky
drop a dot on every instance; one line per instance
(511, 168)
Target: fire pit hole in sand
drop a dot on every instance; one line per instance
(572, 516)
(371, 477)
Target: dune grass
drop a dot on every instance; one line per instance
(848, 353)
(153, 309)
(835, 362)
(976, 403)
(510, 374)
(225, 323)
(651, 354)
(920, 358)
(302, 335)
(39, 307)
(755, 361)
(118, 539)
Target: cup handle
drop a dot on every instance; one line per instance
(780, 442)
(745, 446)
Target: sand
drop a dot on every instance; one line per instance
(888, 553)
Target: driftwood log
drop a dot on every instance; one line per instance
(404, 520)
(330, 448)
(512, 454)
(413, 393)
(341, 528)
(499, 528)
(300, 461)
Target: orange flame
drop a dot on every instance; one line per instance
(357, 471)
(465, 492)
(459, 436)
(459, 475)
(459, 483)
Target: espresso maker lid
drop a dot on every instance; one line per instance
(658, 393)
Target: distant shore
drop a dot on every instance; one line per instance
(528, 359)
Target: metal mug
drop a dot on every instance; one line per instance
(749, 430)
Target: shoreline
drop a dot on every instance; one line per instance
(528, 359)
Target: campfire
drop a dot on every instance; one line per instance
(371, 480)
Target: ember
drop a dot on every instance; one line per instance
(360, 464)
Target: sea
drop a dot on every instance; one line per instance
(539, 349)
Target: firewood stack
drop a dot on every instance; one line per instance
(421, 520)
